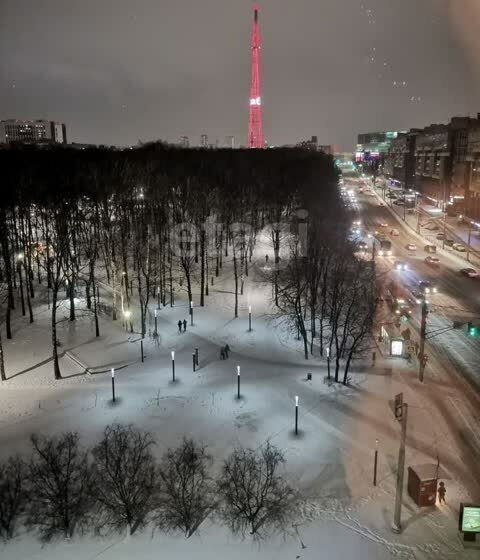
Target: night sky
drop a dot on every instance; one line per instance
(120, 71)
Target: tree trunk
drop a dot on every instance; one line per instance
(56, 366)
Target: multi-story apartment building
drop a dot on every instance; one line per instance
(32, 131)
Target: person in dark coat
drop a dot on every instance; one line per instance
(227, 350)
(222, 353)
(266, 258)
(441, 492)
(184, 325)
(179, 325)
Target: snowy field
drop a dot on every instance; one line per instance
(342, 515)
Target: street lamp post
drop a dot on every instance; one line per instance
(296, 415)
(155, 332)
(113, 384)
(328, 363)
(141, 350)
(196, 356)
(173, 366)
(238, 382)
(249, 318)
(194, 361)
(375, 460)
(191, 313)
(158, 297)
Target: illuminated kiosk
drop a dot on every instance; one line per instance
(394, 345)
(469, 521)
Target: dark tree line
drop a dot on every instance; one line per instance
(65, 489)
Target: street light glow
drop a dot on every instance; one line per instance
(296, 400)
(173, 354)
(113, 372)
(238, 370)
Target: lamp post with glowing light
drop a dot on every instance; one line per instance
(158, 297)
(155, 332)
(249, 318)
(328, 363)
(173, 366)
(296, 415)
(113, 384)
(191, 313)
(238, 382)
(375, 460)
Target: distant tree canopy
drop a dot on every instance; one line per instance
(54, 175)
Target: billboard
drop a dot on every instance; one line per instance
(469, 518)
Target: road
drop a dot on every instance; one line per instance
(458, 297)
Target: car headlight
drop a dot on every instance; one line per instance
(435, 290)
(427, 290)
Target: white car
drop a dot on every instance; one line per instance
(459, 247)
(395, 232)
(470, 272)
(411, 247)
(400, 265)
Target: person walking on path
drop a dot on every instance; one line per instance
(266, 258)
(184, 325)
(227, 350)
(179, 325)
(441, 492)
(222, 353)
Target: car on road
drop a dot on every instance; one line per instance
(411, 247)
(459, 247)
(362, 247)
(440, 236)
(419, 297)
(430, 248)
(383, 225)
(394, 232)
(470, 272)
(449, 242)
(400, 265)
(427, 287)
(432, 261)
(399, 202)
(391, 195)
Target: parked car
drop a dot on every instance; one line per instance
(383, 225)
(470, 272)
(432, 261)
(399, 202)
(411, 211)
(394, 232)
(411, 247)
(391, 195)
(440, 235)
(430, 248)
(449, 242)
(459, 247)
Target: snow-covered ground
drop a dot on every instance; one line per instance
(342, 514)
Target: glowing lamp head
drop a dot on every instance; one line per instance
(173, 354)
(296, 400)
(249, 308)
(238, 370)
(113, 372)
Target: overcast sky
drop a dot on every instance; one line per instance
(120, 71)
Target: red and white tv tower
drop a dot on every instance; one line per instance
(255, 133)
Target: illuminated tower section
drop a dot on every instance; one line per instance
(255, 133)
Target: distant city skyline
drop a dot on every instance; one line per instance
(117, 73)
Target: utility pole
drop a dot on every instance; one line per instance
(423, 332)
(397, 519)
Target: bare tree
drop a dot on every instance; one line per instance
(186, 495)
(12, 495)
(255, 497)
(125, 476)
(60, 481)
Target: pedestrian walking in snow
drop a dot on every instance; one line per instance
(266, 258)
(222, 353)
(441, 492)
(179, 325)
(227, 350)
(184, 325)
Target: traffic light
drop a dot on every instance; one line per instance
(472, 329)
